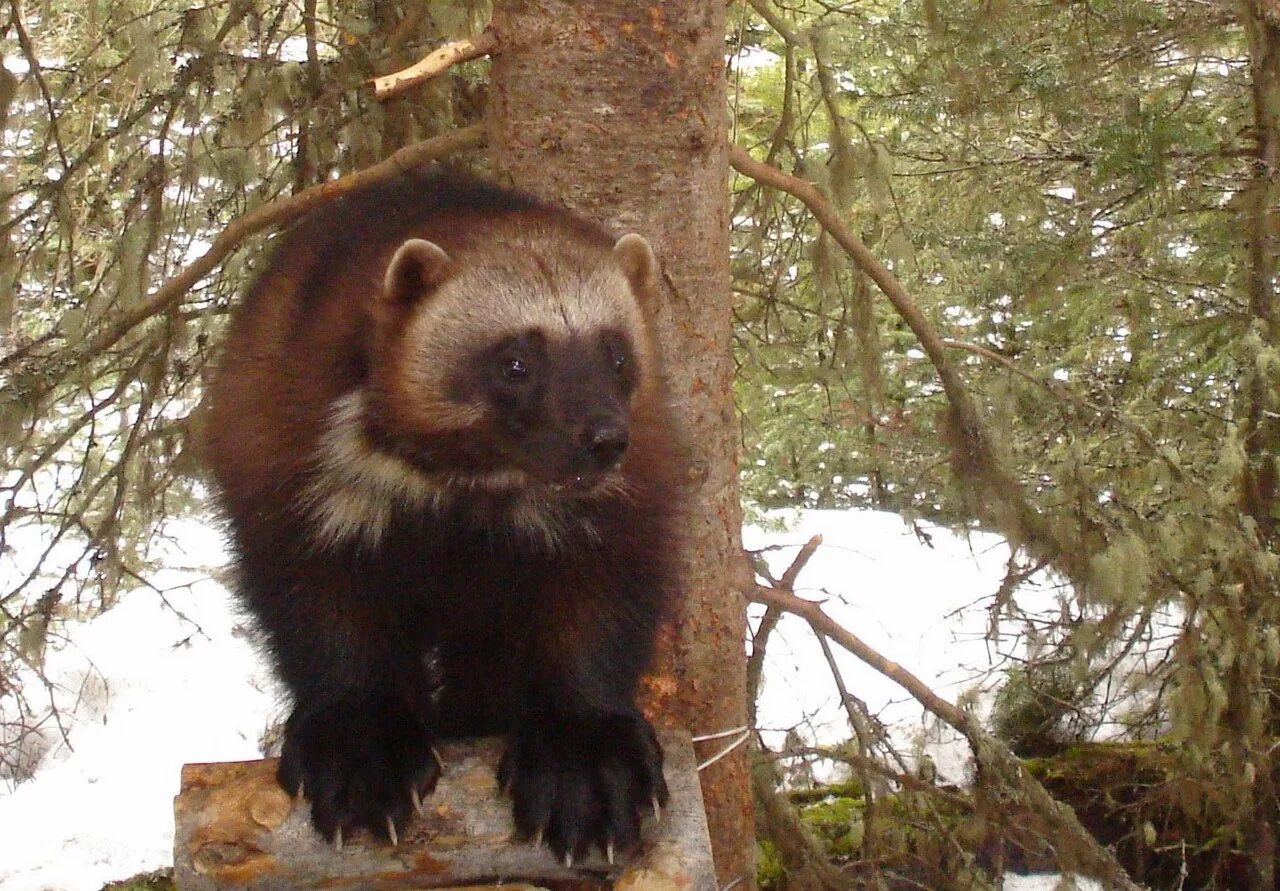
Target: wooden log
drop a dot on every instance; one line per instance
(236, 828)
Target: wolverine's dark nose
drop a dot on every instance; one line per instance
(606, 443)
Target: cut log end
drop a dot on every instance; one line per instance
(236, 828)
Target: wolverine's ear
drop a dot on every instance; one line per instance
(418, 267)
(638, 264)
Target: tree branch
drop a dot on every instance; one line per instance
(785, 31)
(1077, 849)
(436, 62)
(755, 662)
(272, 213)
(827, 216)
(1002, 501)
(807, 864)
(1063, 392)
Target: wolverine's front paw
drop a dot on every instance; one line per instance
(577, 785)
(362, 763)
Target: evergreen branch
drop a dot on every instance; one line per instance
(1066, 394)
(785, 31)
(272, 213)
(33, 61)
(972, 456)
(197, 66)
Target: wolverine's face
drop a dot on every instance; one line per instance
(524, 365)
(558, 406)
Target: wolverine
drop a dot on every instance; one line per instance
(439, 436)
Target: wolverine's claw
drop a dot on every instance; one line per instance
(417, 800)
(608, 852)
(391, 831)
(337, 840)
(657, 810)
(439, 760)
(568, 860)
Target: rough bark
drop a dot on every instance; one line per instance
(617, 109)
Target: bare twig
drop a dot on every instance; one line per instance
(856, 711)
(441, 59)
(755, 662)
(792, 573)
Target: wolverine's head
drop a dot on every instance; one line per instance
(515, 362)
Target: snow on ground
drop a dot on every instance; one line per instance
(919, 604)
(1049, 883)
(161, 681)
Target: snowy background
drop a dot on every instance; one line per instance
(169, 676)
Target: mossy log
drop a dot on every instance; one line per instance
(236, 828)
(1138, 799)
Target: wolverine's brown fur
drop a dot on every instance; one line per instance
(440, 437)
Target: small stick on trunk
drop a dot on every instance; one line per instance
(436, 62)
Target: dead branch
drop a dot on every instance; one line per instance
(857, 713)
(804, 859)
(1077, 849)
(436, 62)
(802, 559)
(755, 662)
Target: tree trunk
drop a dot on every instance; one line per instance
(1261, 485)
(1251, 719)
(617, 109)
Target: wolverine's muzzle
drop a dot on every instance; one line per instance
(605, 444)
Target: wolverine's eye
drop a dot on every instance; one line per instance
(615, 349)
(515, 369)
